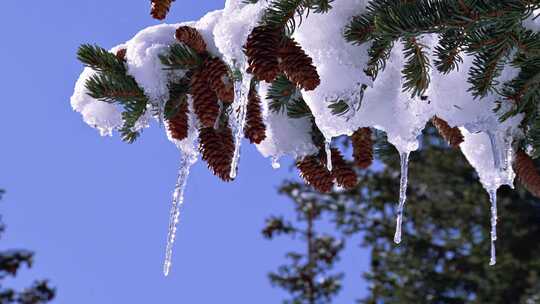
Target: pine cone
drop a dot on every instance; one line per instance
(160, 8)
(298, 66)
(341, 171)
(218, 78)
(255, 129)
(192, 38)
(362, 148)
(261, 50)
(527, 173)
(178, 124)
(217, 149)
(452, 136)
(205, 101)
(121, 54)
(315, 173)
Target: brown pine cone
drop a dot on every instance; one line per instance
(160, 8)
(315, 173)
(178, 124)
(205, 101)
(191, 37)
(261, 50)
(362, 148)
(217, 149)
(298, 66)
(121, 54)
(527, 173)
(341, 171)
(451, 135)
(255, 129)
(218, 78)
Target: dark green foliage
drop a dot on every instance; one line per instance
(100, 60)
(112, 84)
(181, 56)
(379, 52)
(177, 95)
(339, 107)
(307, 276)
(489, 30)
(416, 69)
(281, 14)
(448, 51)
(11, 262)
(444, 255)
(284, 96)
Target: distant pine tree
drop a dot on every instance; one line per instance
(10, 262)
(444, 256)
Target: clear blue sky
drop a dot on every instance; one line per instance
(95, 209)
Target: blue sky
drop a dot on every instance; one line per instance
(95, 209)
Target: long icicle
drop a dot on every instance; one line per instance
(241, 91)
(402, 194)
(186, 161)
(493, 234)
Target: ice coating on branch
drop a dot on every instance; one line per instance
(404, 163)
(284, 136)
(482, 149)
(340, 65)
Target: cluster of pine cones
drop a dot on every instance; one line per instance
(270, 53)
(212, 90)
(314, 169)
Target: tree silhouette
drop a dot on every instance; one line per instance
(444, 256)
(10, 263)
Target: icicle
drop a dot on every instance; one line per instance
(186, 161)
(328, 149)
(495, 150)
(402, 195)
(493, 200)
(275, 163)
(241, 91)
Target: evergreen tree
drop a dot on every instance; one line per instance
(307, 276)
(446, 233)
(10, 262)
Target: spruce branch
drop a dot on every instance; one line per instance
(112, 88)
(285, 97)
(99, 59)
(180, 56)
(379, 52)
(448, 51)
(112, 84)
(282, 14)
(416, 69)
